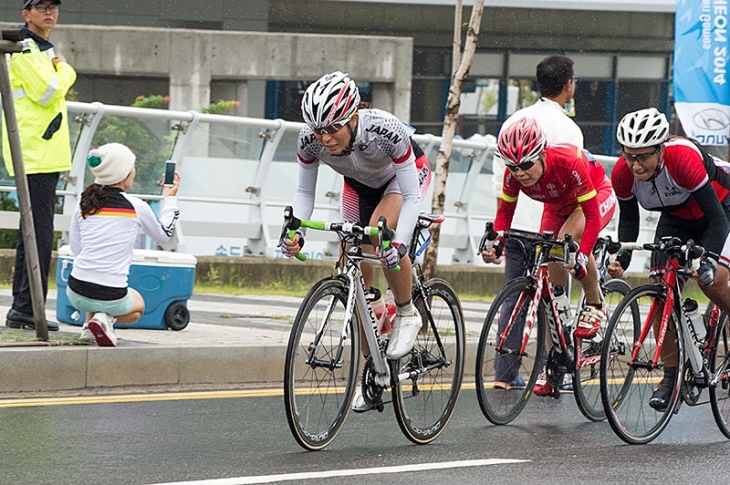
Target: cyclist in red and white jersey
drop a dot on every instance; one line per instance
(691, 190)
(578, 200)
(386, 174)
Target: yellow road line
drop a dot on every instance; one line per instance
(120, 398)
(182, 396)
(152, 397)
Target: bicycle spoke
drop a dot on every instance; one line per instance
(319, 385)
(720, 359)
(504, 378)
(627, 383)
(586, 380)
(425, 401)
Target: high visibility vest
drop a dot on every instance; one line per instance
(39, 91)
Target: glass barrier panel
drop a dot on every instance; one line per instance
(150, 140)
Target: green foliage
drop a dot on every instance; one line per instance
(155, 101)
(147, 140)
(211, 277)
(220, 107)
(8, 237)
(526, 96)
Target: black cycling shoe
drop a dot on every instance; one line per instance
(663, 392)
(16, 319)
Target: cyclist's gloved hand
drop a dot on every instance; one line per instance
(498, 247)
(294, 245)
(580, 268)
(706, 271)
(393, 254)
(624, 258)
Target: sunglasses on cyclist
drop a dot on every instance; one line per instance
(524, 166)
(640, 157)
(331, 129)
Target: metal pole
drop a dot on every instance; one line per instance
(21, 183)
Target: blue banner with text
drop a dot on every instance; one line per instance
(701, 91)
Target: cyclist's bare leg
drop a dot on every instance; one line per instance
(575, 226)
(400, 282)
(718, 291)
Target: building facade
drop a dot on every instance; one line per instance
(622, 52)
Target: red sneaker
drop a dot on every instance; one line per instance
(590, 321)
(542, 386)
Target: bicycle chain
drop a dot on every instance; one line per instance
(372, 393)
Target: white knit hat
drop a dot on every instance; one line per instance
(110, 163)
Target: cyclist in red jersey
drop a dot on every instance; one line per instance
(579, 201)
(673, 176)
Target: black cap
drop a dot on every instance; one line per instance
(30, 3)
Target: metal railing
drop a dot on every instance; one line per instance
(238, 173)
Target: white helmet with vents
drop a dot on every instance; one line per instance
(644, 128)
(331, 99)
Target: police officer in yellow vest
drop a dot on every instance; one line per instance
(40, 80)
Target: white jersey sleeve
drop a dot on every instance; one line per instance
(160, 230)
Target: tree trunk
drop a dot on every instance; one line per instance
(458, 77)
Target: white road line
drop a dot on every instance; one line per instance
(288, 477)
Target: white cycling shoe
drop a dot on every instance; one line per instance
(358, 403)
(404, 335)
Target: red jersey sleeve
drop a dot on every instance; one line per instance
(508, 202)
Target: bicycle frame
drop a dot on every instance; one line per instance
(323, 356)
(543, 291)
(352, 273)
(356, 300)
(356, 285)
(673, 296)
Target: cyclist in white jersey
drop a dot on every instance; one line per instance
(386, 174)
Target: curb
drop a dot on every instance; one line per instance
(73, 368)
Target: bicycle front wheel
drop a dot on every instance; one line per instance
(720, 361)
(500, 370)
(627, 384)
(586, 379)
(425, 395)
(320, 372)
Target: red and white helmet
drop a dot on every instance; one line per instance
(522, 141)
(642, 129)
(331, 99)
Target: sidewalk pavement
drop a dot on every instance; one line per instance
(230, 340)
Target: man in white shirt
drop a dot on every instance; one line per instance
(557, 88)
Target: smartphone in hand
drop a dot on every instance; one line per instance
(169, 173)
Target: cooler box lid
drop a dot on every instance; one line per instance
(149, 257)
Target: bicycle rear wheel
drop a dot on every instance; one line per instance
(500, 392)
(586, 379)
(425, 401)
(719, 357)
(321, 369)
(625, 387)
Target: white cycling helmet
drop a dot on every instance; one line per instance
(644, 128)
(330, 99)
